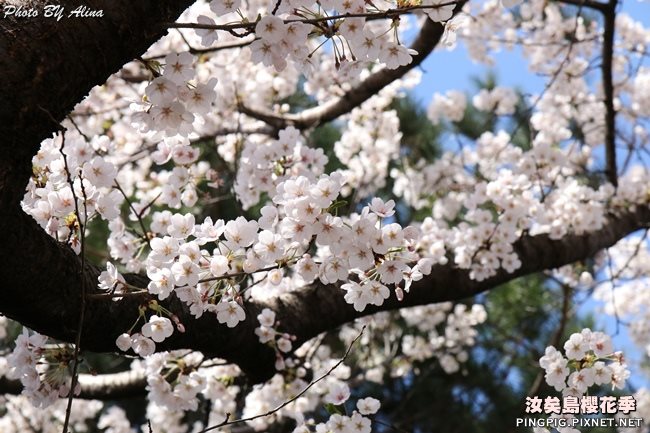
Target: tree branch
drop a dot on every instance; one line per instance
(52, 66)
(592, 4)
(609, 15)
(304, 313)
(426, 41)
(374, 15)
(113, 386)
(309, 312)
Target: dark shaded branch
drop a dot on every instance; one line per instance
(321, 307)
(41, 280)
(609, 15)
(47, 66)
(45, 71)
(49, 302)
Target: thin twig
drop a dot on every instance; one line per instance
(390, 426)
(137, 214)
(567, 293)
(388, 13)
(82, 312)
(276, 7)
(613, 286)
(219, 47)
(629, 259)
(141, 291)
(136, 294)
(294, 398)
(71, 119)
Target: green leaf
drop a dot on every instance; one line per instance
(334, 409)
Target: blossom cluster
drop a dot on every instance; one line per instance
(380, 254)
(22, 416)
(294, 31)
(267, 334)
(358, 422)
(175, 381)
(263, 165)
(369, 143)
(173, 100)
(444, 332)
(43, 371)
(72, 182)
(448, 344)
(594, 348)
(588, 360)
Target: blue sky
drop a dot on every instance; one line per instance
(445, 70)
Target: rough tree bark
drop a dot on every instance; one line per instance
(48, 66)
(45, 72)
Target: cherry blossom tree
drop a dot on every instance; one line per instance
(164, 197)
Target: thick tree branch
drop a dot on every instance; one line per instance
(608, 10)
(45, 72)
(41, 280)
(307, 313)
(321, 307)
(48, 66)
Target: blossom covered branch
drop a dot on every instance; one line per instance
(428, 38)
